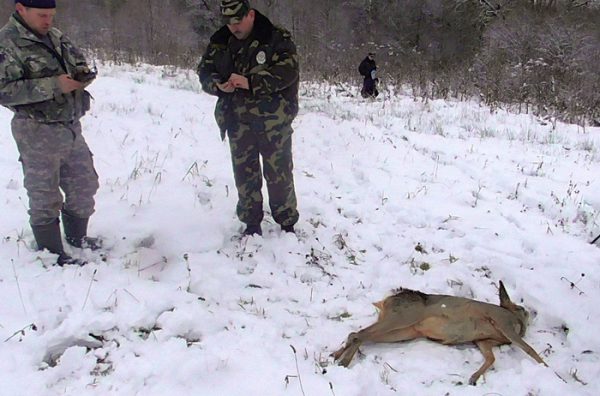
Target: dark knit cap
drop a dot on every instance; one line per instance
(37, 3)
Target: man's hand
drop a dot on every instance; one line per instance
(239, 81)
(226, 87)
(67, 84)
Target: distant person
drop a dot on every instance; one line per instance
(368, 69)
(252, 67)
(42, 80)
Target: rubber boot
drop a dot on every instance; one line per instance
(47, 237)
(253, 229)
(288, 228)
(76, 232)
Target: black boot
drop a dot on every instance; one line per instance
(76, 232)
(253, 229)
(47, 237)
(288, 228)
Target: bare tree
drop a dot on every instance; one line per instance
(536, 55)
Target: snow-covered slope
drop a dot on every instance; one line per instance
(443, 197)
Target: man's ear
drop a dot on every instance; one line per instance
(20, 8)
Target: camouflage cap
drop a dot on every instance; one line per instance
(232, 11)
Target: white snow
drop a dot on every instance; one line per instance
(440, 196)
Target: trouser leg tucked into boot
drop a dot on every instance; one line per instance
(76, 232)
(48, 237)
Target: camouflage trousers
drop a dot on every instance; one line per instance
(275, 148)
(55, 157)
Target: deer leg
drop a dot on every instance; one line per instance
(485, 346)
(377, 332)
(385, 334)
(530, 351)
(516, 339)
(345, 354)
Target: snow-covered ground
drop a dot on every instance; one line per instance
(443, 197)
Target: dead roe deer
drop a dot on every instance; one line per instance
(449, 320)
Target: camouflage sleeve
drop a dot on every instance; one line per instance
(281, 74)
(76, 56)
(207, 71)
(16, 90)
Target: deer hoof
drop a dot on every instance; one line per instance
(473, 380)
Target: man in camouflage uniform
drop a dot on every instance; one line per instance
(252, 67)
(42, 80)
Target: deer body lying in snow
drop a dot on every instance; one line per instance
(449, 320)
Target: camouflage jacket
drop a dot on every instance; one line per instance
(268, 59)
(28, 71)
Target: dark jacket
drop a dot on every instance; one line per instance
(268, 59)
(366, 67)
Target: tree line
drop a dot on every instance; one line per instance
(534, 55)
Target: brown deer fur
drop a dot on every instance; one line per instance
(449, 320)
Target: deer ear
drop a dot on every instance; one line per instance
(504, 298)
(379, 306)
